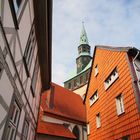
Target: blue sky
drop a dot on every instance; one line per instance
(107, 22)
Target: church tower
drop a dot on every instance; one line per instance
(78, 79)
(83, 51)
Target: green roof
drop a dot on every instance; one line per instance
(74, 73)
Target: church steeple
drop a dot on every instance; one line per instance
(83, 51)
(83, 36)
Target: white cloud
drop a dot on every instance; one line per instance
(114, 22)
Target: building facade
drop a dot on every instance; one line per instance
(77, 81)
(25, 40)
(112, 98)
(62, 115)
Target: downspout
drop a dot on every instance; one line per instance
(136, 57)
(136, 80)
(136, 64)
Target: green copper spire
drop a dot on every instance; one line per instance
(83, 36)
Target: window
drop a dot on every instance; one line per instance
(126, 138)
(84, 49)
(69, 85)
(17, 4)
(1, 69)
(75, 82)
(98, 120)
(119, 104)
(25, 130)
(111, 79)
(34, 77)
(13, 122)
(29, 51)
(87, 76)
(96, 70)
(93, 98)
(81, 79)
(88, 129)
(0, 8)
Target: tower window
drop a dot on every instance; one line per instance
(75, 82)
(81, 79)
(87, 76)
(69, 85)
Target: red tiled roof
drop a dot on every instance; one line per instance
(54, 130)
(64, 103)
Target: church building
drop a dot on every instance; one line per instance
(77, 81)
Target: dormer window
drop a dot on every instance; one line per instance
(96, 70)
(111, 79)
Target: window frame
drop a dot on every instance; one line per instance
(1, 69)
(81, 79)
(126, 137)
(96, 71)
(17, 6)
(11, 120)
(88, 129)
(17, 15)
(120, 105)
(69, 85)
(87, 77)
(23, 128)
(98, 120)
(29, 50)
(35, 75)
(108, 81)
(93, 96)
(75, 83)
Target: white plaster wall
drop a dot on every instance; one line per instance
(81, 91)
(31, 10)
(25, 27)
(6, 89)
(7, 19)
(6, 93)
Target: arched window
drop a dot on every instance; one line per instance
(76, 133)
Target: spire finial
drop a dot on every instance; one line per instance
(83, 36)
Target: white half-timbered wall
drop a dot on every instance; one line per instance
(20, 80)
